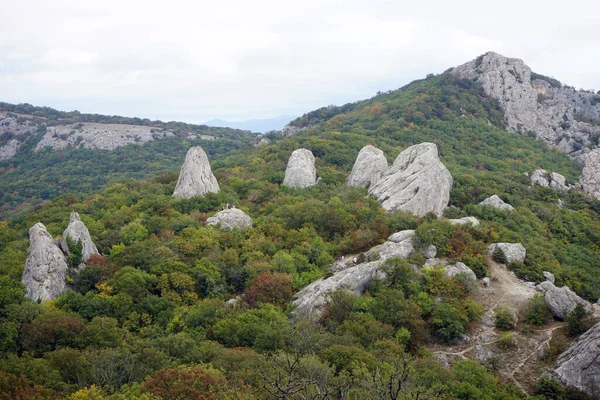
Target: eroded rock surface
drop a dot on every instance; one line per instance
(230, 218)
(561, 301)
(46, 268)
(496, 202)
(417, 182)
(196, 177)
(370, 164)
(579, 365)
(77, 231)
(548, 179)
(452, 269)
(512, 251)
(300, 172)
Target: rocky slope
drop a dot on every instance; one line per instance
(559, 115)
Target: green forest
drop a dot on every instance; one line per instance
(151, 318)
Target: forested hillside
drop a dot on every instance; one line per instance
(150, 317)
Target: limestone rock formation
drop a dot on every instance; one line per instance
(46, 268)
(370, 164)
(533, 103)
(549, 276)
(230, 218)
(579, 365)
(196, 177)
(310, 301)
(548, 179)
(496, 202)
(401, 236)
(452, 269)
(300, 171)
(512, 251)
(417, 182)
(561, 301)
(465, 221)
(77, 231)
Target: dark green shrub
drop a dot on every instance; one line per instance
(505, 319)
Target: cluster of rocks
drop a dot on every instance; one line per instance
(554, 112)
(549, 179)
(46, 266)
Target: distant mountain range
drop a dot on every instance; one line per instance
(254, 125)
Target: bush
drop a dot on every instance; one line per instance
(505, 319)
(576, 321)
(537, 311)
(499, 256)
(506, 341)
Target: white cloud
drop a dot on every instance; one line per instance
(199, 60)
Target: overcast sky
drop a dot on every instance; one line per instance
(197, 60)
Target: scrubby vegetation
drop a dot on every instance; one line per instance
(149, 318)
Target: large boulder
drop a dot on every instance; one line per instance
(370, 164)
(469, 221)
(579, 365)
(561, 301)
(46, 268)
(496, 202)
(196, 177)
(548, 179)
(417, 182)
(300, 172)
(452, 269)
(230, 218)
(78, 232)
(512, 251)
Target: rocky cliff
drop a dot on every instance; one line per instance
(196, 177)
(300, 171)
(559, 115)
(77, 231)
(417, 182)
(45, 271)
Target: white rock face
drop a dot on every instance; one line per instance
(311, 300)
(77, 231)
(512, 251)
(465, 221)
(590, 176)
(300, 172)
(548, 179)
(230, 218)
(579, 365)
(496, 202)
(561, 301)
(417, 182)
(9, 150)
(196, 177)
(370, 164)
(45, 268)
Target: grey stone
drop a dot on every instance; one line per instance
(230, 218)
(579, 365)
(442, 359)
(561, 301)
(77, 231)
(196, 177)
(430, 251)
(460, 268)
(590, 175)
(417, 182)
(496, 202)
(401, 236)
(300, 172)
(370, 164)
(549, 276)
(512, 251)
(486, 282)
(401, 249)
(481, 353)
(9, 150)
(472, 221)
(46, 268)
(548, 179)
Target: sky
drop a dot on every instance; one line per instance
(194, 61)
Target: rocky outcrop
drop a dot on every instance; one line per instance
(310, 301)
(8, 150)
(590, 175)
(548, 179)
(558, 114)
(77, 231)
(561, 301)
(452, 269)
(230, 218)
(496, 202)
(300, 172)
(469, 221)
(370, 164)
(196, 177)
(512, 251)
(549, 276)
(579, 365)
(401, 236)
(96, 136)
(417, 182)
(46, 268)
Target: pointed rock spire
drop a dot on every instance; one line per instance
(77, 231)
(196, 177)
(370, 164)
(300, 171)
(45, 268)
